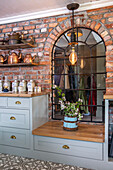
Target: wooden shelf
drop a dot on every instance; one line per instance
(16, 46)
(21, 64)
(19, 46)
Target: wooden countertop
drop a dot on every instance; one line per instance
(85, 132)
(108, 96)
(25, 94)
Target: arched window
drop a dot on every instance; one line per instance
(85, 79)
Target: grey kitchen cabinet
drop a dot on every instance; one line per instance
(18, 117)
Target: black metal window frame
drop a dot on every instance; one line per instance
(77, 73)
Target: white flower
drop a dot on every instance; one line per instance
(54, 86)
(80, 117)
(80, 100)
(60, 101)
(62, 107)
(64, 98)
(77, 109)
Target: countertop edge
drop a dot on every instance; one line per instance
(10, 94)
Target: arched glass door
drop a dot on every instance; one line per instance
(85, 79)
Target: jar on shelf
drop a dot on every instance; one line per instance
(23, 84)
(20, 89)
(39, 89)
(15, 85)
(30, 86)
(6, 84)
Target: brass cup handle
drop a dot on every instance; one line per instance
(13, 137)
(12, 118)
(17, 102)
(65, 147)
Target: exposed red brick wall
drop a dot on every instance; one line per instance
(47, 30)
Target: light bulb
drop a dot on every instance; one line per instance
(73, 56)
(82, 63)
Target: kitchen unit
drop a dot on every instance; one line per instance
(25, 131)
(83, 147)
(19, 115)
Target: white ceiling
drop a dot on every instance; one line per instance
(18, 8)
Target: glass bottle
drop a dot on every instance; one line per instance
(30, 85)
(15, 85)
(6, 84)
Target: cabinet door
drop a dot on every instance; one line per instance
(15, 137)
(18, 102)
(14, 118)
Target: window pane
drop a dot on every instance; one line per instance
(100, 64)
(97, 114)
(83, 50)
(85, 33)
(100, 94)
(62, 42)
(100, 81)
(93, 39)
(84, 65)
(85, 79)
(98, 50)
(57, 113)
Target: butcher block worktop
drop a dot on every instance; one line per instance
(24, 94)
(85, 132)
(108, 96)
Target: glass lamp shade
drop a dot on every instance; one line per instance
(75, 32)
(73, 56)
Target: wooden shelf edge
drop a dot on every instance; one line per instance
(23, 94)
(21, 64)
(15, 46)
(108, 96)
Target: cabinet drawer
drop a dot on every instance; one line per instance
(15, 137)
(14, 118)
(3, 101)
(18, 102)
(83, 149)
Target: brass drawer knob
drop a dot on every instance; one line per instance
(17, 102)
(13, 137)
(65, 147)
(12, 118)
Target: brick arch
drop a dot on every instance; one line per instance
(98, 27)
(87, 23)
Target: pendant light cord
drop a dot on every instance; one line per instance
(73, 20)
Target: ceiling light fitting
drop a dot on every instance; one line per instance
(73, 34)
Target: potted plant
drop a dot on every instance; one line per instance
(71, 111)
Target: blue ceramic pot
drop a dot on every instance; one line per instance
(70, 123)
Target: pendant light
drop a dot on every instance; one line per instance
(73, 56)
(73, 34)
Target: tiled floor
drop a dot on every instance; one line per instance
(9, 162)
